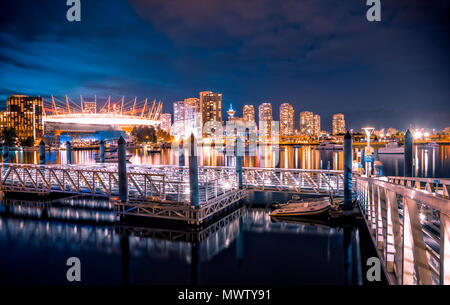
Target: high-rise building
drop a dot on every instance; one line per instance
(286, 120)
(3, 120)
(307, 123)
(24, 114)
(316, 131)
(191, 108)
(187, 117)
(265, 120)
(211, 106)
(249, 113)
(166, 122)
(178, 111)
(338, 123)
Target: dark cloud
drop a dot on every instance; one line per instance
(318, 55)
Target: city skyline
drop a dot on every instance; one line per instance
(326, 61)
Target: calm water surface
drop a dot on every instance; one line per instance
(250, 248)
(428, 161)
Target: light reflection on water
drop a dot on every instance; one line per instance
(245, 247)
(428, 161)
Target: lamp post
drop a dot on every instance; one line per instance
(368, 150)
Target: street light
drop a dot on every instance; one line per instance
(368, 151)
(368, 131)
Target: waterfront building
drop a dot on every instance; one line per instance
(248, 113)
(24, 114)
(3, 120)
(191, 108)
(187, 117)
(178, 111)
(391, 132)
(286, 120)
(307, 123)
(338, 123)
(316, 130)
(166, 122)
(265, 120)
(211, 106)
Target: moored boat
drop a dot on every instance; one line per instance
(113, 158)
(392, 148)
(302, 208)
(327, 145)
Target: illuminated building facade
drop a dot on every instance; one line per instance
(286, 120)
(248, 113)
(211, 106)
(178, 111)
(307, 123)
(191, 109)
(24, 114)
(265, 120)
(187, 117)
(316, 130)
(338, 123)
(3, 120)
(166, 122)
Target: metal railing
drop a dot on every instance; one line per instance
(313, 181)
(163, 183)
(410, 228)
(155, 183)
(433, 185)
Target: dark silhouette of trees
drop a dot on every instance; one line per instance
(144, 134)
(9, 136)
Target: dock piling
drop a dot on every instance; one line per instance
(68, 152)
(193, 173)
(122, 166)
(238, 161)
(42, 152)
(102, 151)
(363, 163)
(408, 170)
(181, 154)
(348, 171)
(5, 153)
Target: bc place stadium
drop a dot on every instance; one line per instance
(94, 120)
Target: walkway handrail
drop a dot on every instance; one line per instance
(435, 185)
(410, 228)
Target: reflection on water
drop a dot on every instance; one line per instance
(265, 156)
(244, 247)
(428, 161)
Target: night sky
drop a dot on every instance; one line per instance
(319, 55)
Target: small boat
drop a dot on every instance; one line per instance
(431, 145)
(112, 158)
(302, 208)
(327, 145)
(392, 148)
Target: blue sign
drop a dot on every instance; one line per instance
(368, 158)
